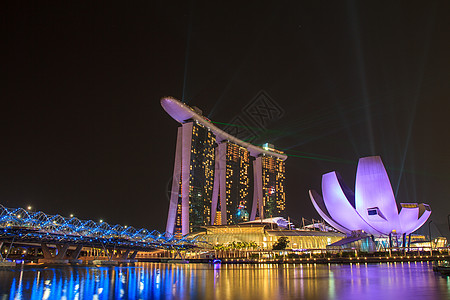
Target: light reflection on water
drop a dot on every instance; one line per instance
(203, 281)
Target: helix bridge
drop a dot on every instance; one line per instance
(18, 225)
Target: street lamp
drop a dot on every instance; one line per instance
(29, 207)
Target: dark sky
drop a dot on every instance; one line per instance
(83, 132)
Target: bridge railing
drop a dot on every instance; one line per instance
(56, 225)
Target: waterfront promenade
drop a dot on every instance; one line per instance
(319, 260)
(404, 280)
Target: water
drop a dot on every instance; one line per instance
(202, 281)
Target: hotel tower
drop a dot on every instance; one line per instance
(231, 194)
(213, 179)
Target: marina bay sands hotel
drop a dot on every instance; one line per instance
(214, 172)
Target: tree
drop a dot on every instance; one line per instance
(252, 245)
(281, 244)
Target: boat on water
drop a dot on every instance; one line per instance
(442, 267)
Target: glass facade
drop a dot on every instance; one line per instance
(265, 237)
(237, 183)
(273, 178)
(201, 176)
(212, 182)
(213, 173)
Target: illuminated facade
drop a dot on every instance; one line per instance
(265, 235)
(212, 175)
(201, 175)
(218, 218)
(190, 201)
(269, 197)
(232, 183)
(371, 208)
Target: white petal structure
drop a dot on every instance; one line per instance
(372, 208)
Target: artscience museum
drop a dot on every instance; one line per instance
(371, 208)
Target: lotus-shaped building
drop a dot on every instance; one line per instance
(371, 208)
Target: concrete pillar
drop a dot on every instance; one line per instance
(219, 187)
(181, 172)
(110, 253)
(123, 254)
(62, 249)
(133, 255)
(59, 257)
(174, 193)
(185, 175)
(216, 184)
(46, 251)
(76, 252)
(258, 190)
(223, 182)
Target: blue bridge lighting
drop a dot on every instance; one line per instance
(22, 225)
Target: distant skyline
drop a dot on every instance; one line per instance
(83, 131)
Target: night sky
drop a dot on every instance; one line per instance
(83, 131)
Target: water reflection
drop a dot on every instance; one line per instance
(202, 281)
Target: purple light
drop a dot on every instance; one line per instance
(319, 205)
(373, 190)
(372, 208)
(339, 206)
